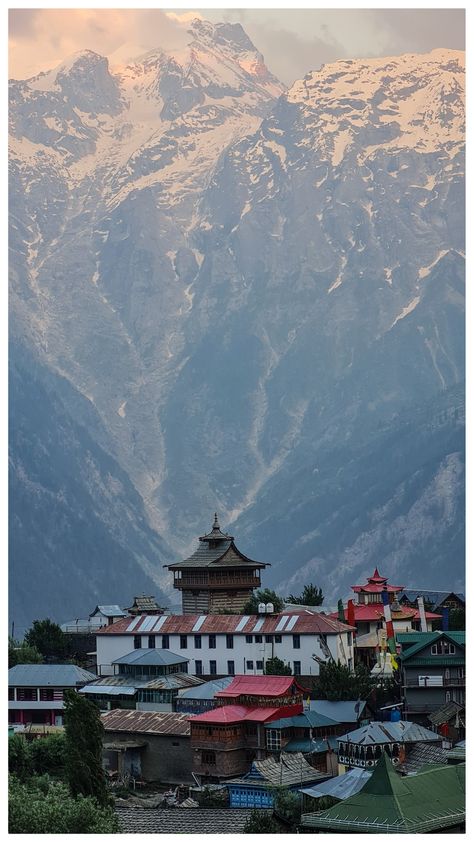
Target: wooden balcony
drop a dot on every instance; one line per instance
(447, 682)
(217, 582)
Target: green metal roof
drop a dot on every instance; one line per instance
(435, 661)
(432, 800)
(458, 638)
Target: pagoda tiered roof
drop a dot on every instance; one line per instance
(216, 550)
(376, 584)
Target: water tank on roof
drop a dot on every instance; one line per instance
(261, 608)
(269, 608)
(395, 715)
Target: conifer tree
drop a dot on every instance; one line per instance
(84, 734)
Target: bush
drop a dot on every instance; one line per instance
(48, 755)
(31, 810)
(261, 822)
(19, 760)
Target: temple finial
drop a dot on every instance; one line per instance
(216, 521)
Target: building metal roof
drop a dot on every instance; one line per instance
(303, 623)
(445, 713)
(48, 675)
(146, 604)
(175, 681)
(147, 722)
(380, 733)
(230, 714)
(391, 803)
(458, 640)
(307, 719)
(309, 746)
(108, 690)
(435, 598)
(216, 549)
(151, 657)
(207, 690)
(340, 712)
(457, 752)
(259, 685)
(365, 613)
(421, 755)
(176, 820)
(289, 770)
(341, 787)
(109, 611)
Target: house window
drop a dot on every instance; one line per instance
(165, 641)
(209, 758)
(137, 641)
(46, 695)
(213, 667)
(452, 649)
(296, 641)
(183, 641)
(212, 641)
(11, 694)
(151, 641)
(26, 694)
(230, 668)
(296, 667)
(349, 638)
(197, 641)
(249, 638)
(259, 665)
(258, 638)
(198, 667)
(278, 638)
(448, 695)
(273, 739)
(268, 638)
(229, 641)
(249, 665)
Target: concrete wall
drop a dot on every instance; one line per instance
(110, 647)
(165, 759)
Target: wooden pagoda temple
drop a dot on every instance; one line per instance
(216, 576)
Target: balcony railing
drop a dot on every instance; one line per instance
(217, 582)
(447, 682)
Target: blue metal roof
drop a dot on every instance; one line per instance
(350, 711)
(108, 690)
(151, 657)
(109, 611)
(48, 675)
(307, 719)
(207, 690)
(341, 787)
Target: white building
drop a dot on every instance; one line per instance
(232, 644)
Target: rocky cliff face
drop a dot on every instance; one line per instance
(255, 293)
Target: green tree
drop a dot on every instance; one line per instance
(21, 653)
(260, 821)
(264, 595)
(287, 806)
(48, 638)
(275, 666)
(48, 755)
(42, 807)
(457, 619)
(311, 596)
(19, 760)
(337, 683)
(84, 734)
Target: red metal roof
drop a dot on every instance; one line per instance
(231, 714)
(259, 685)
(296, 623)
(373, 587)
(365, 613)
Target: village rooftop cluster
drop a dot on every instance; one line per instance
(241, 705)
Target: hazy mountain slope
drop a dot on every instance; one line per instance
(243, 285)
(78, 534)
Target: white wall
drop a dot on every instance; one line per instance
(113, 646)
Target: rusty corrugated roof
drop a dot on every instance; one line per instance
(147, 722)
(294, 623)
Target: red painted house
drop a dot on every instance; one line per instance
(226, 740)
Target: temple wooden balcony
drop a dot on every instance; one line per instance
(217, 582)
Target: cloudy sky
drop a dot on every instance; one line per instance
(292, 41)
